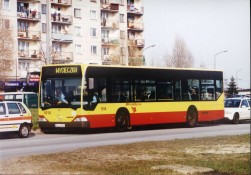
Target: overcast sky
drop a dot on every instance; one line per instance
(207, 27)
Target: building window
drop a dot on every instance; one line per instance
(123, 51)
(121, 18)
(93, 49)
(23, 26)
(122, 34)
(78, 31)
(6, 24)
(93, 14)
(60, 29)
(77, 13)
(122, 2)
(43, 8)
(7, 44)
(5, 64)
(93, 32)
(104, 15)
(78, 49)
(43, 27)
(105, 51)
(6, 4)
(56, 48)
(23, 46)
(23, 66)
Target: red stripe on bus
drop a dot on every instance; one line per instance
(101, 120)
(108, 120)
(210, 115)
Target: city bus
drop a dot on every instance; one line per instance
(121, 97)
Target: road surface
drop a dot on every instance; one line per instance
(39, 143)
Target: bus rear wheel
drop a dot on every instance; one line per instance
(122, 121)
(192, 117)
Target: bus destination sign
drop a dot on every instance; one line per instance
(66, 70)
(55, 71)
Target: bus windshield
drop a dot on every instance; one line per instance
(60, 92)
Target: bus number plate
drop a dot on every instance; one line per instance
(60, 125)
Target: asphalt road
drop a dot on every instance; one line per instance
(39, 143)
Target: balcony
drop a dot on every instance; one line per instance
(30, 54)
(61, 57)
(33, 16)
(131, 10)
(64, 38)
(61, 18)
(109, 24)
(61, 2)
(29, 35)
(136, 42)
(136, 61)
(110, 41)
(110, 7)
(111, 59)
(135, 26)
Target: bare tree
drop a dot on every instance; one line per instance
(135, 56)
(6, 49)
(181, 56)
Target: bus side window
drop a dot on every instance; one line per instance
(187, 96)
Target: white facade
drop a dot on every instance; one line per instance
(74, 31)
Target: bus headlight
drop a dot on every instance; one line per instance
(81, 119)
(41, 119)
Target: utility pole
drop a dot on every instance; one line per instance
(48, 32)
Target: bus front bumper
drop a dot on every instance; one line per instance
(79, 124)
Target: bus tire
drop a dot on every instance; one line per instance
(122, 121)
(192, 117)
(236, 119)
(24, 131)
(44, 130)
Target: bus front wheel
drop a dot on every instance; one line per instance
(192, 117)
(122, 121)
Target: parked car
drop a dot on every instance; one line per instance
(237, 109)
(15, 117)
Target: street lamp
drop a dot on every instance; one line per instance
(215, 57)
(144, 50)
(147, 48)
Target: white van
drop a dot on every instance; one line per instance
(15, 117)
(30, 99)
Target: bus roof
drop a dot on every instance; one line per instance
(138, 67)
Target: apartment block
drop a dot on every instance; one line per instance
(104, 32)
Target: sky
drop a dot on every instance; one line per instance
(207, 28)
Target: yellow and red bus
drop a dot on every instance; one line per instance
(97, 96)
